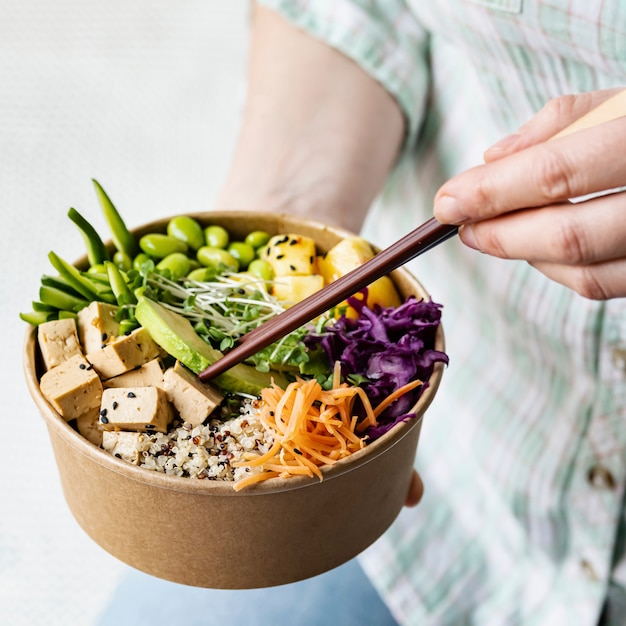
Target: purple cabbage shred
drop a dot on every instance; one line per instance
(388, 347)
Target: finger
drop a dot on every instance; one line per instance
(557, 114)
(586, 162)
(570, 234)
(601, 281)
(416, 490)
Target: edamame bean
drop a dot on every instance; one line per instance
(177, 263)
(139, 260)
(122, 260)
(216, 236)
(186, 229)
(159, 246)
(97, 269)
(243, 252)
(257, 238)
(210, 256)
(262, 269)
(202, 274)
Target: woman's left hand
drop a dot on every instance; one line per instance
(517, 205)
(416, 490)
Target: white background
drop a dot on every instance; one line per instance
(144, 96)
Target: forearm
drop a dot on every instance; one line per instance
(319, 135)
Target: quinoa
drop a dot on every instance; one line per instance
(207, 451)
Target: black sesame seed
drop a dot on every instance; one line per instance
(297, 451)
(82, 366)
(104, 419)
(115, 405)
(292, 268)
(272, 413)
(104, 337)
(118, 455)
(131, 394)
(293, 242)
(89, 367)
(311, 260)
(103, 345)
(241, 291)
(103, 412)
(280, 256)
(150, 426)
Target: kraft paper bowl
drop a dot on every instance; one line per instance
(203, 533)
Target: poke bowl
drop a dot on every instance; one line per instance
(206, 533)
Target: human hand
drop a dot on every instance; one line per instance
(516, 205)
(416, 490)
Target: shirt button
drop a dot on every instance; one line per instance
(588, 570)
(619, 358)
(600, 477)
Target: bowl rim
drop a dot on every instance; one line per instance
(57, 424)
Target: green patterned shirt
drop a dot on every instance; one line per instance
(523, 452)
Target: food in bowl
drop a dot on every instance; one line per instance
(123, 337)
(295, 527)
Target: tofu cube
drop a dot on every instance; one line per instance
(89, 427)
(143, 409)
(123, 444)
(124, 354)
(193, 399)
(97, 325)
(73, 388)
(149, 374)
(290, 255)
(58, 341)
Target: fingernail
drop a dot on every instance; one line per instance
(504, 144)
(468, 237)
(447, 210)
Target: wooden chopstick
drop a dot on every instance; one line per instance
(418, 241)
(423, 238)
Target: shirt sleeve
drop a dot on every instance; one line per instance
(384, 38)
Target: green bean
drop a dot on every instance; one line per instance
(99, 277)
(42, 307)
(216, 236)
(127, 326)
(177, 263)
(122, 260)
(61, 299)
(262, 269)
(121, 291)
(159, 246)
(96, 250)
(64, 315)
(210, 256)
(186, 229)
(123, 239)
(58, 282)
(257, 238)
(80, 283)
(37, 317)
(243, 252)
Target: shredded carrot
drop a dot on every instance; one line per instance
(312, 427)
(400, 391)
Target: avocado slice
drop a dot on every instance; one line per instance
(176, 336)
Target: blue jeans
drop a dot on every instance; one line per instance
(342, 596)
